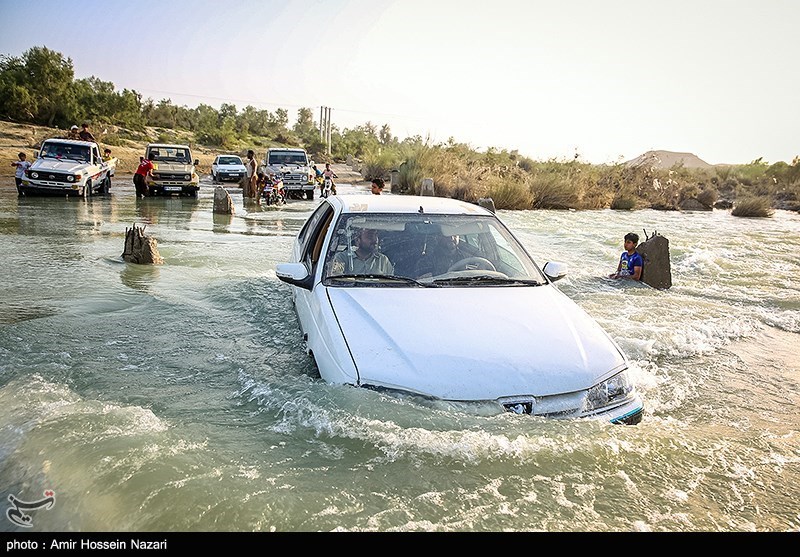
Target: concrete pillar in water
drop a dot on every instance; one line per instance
(140, 248)
(657, 271)
(223, 205)
(487, 203)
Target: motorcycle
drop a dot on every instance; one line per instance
(274, 193)
(327, 187)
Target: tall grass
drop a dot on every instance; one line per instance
(752, 207)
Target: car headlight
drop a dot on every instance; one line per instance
(156, 176)
(34, 174)
(70, 178)
(611, 391)
(187, 177)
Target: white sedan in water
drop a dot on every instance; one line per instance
(228, 168)
(437, 298)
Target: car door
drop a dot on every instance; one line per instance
(314, 311)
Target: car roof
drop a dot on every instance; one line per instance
(167, 145)
(70, 141)
(235, 156)
(404, 204)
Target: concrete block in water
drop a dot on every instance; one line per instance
(657, 271)
(487, 203)
(223, 205)
(140, 248)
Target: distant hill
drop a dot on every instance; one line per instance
(668, 159)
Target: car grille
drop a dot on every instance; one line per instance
(172, 176)
(291, 179)
(51, 176)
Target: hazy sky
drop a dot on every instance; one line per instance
(608, 79)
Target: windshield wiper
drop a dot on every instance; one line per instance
(488, 279)
(382, 278)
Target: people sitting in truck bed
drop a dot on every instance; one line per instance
(85, 134)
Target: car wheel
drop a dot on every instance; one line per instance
(107, 185)
(470, 263)
(87, 190)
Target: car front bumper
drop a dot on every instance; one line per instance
(51, 188)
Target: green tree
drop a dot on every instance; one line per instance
(304, 127)
(35, 87)
(385, 135)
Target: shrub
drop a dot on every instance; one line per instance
(623, 203)
(507, 194)
(378, 163)
(752, 207)
(708, 196)
(551, 191)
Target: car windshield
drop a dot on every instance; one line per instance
(229, 160)
(413, 250)
(287, 158)
(65, 151)
(169, 154)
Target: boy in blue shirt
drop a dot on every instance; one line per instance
(630, 262)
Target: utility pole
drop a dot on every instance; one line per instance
(325, 127)
(328, 138)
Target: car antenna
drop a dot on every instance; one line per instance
(421, 210)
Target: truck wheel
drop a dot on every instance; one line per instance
(310, 195)
(87, 190)
(106, 186)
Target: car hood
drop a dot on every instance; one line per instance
(54, 165)
(231, 167)
(173, 167)
(290, 168)
(474, 343)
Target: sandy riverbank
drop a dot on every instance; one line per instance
(16, 138)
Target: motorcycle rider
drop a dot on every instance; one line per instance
(328, 173)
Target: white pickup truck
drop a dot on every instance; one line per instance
(68, 167)
(293, 167)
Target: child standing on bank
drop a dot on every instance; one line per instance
(630, 262)
(22, 165)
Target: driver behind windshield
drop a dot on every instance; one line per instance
(363, 258)
(438, 255)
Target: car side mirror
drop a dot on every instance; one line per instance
(295, 274)
(197, 162)
(36, 154)
(555, 270)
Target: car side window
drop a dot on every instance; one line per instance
(312, 235)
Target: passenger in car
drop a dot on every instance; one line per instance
(364, 258)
